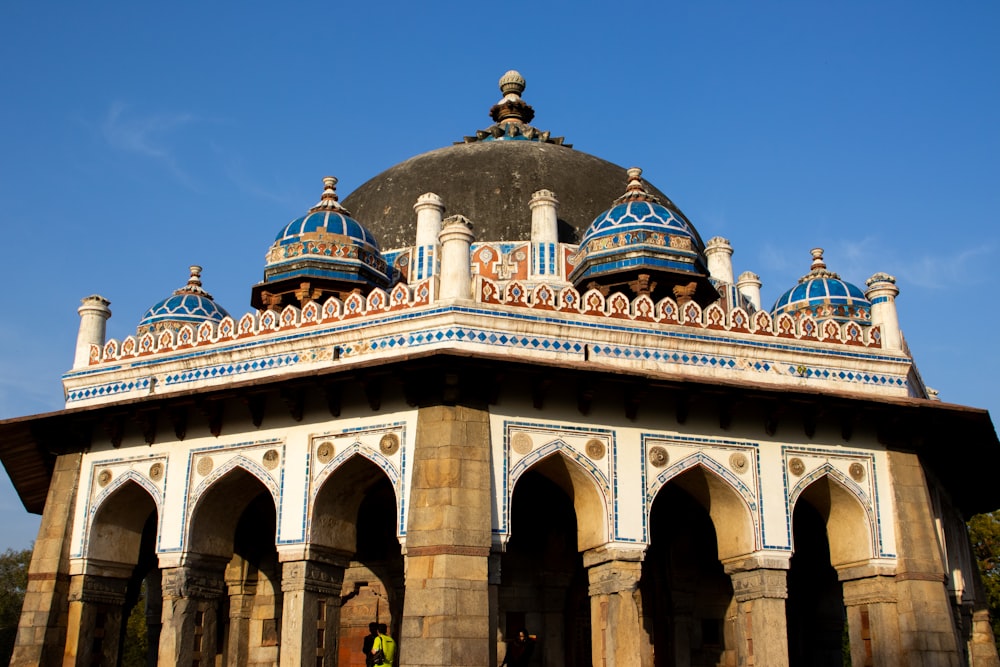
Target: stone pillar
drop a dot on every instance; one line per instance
(749, 285)
(760, 588)
(191, 594)
(456, 263)
(927, 633)
(429, 208)
(553, 610)
(241, 587)
(882, 292)
(446, 610)
(872, 617)
(310, 616)
(544, 234)
(617, 637)
(719, 254)
(94, 314)
(95, 619)
(41, 633)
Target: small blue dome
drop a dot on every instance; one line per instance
(822, 294)
(189, 305)
(639, 235)
(326, 244)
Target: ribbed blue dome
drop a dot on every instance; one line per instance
(189, 305)
(822, 294)
(326, 244)
(640, 236)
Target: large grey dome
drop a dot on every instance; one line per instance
(491, 182)
(490, 179)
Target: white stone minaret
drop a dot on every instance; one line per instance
(719, 253)
(94, 314)
(748, 285)
(430, 209)
(882, 292)
(456, 239)
(544, 233)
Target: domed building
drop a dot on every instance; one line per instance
(504, 386)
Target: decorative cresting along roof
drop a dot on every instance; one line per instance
(512, 115)
(190, 304)
(639, 235)
(822, 294)
(326, 244)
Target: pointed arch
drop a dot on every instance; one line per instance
(118, 517)
(729, 501)
(218, 502)
(339, 492)
(582, 482)
(846, 510)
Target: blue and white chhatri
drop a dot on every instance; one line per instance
(189, 305)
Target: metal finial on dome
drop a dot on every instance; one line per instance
(636, 190)
(193, 284)
(512, 83)
(817, 264)
(329, 200)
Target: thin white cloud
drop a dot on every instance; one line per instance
(146, 136)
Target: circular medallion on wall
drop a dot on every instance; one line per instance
(389, 444)
(205, 465)
(796, 466)
(156, 472)
(522, 444)
(325, 451)
(658, 456)
(104, 477)
(739, 462)
(271, 459)
(595, 449)
(857, 472)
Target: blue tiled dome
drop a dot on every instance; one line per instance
(640, 236)
(326, 244)
(822, 294)
(189, 305)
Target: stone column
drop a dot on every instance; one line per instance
(544, 234)
(241, 586)
(882, 292)
(95, 619)
(94, 314)
(617, 637)
(760, 588)
(872, 616)
(310, 616)
(41, 633)
(749, 285)
(446, 610)
(191, 594)
(456, 263)
(719, 255)
(429, 208)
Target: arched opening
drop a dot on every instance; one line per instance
(355, 514)
(687, 596)
(234, 526)
(123, 539)
(556, 513)
(829, 528)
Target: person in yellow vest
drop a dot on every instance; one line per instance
(384, 647)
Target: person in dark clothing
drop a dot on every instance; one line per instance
(519, 650)
(369, 641)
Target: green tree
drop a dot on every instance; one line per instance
(13, 583)
(984, 531)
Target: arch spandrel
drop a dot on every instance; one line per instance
(118, 518)
(849, 517)
(728, 501)
(217, 503)
(338, 494)
(582, 485)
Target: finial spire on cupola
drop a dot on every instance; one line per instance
(636, 189)
(817, 264)
(193, 285)
(511, 116)
(329, 201)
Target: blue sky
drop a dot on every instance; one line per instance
(139, 138)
